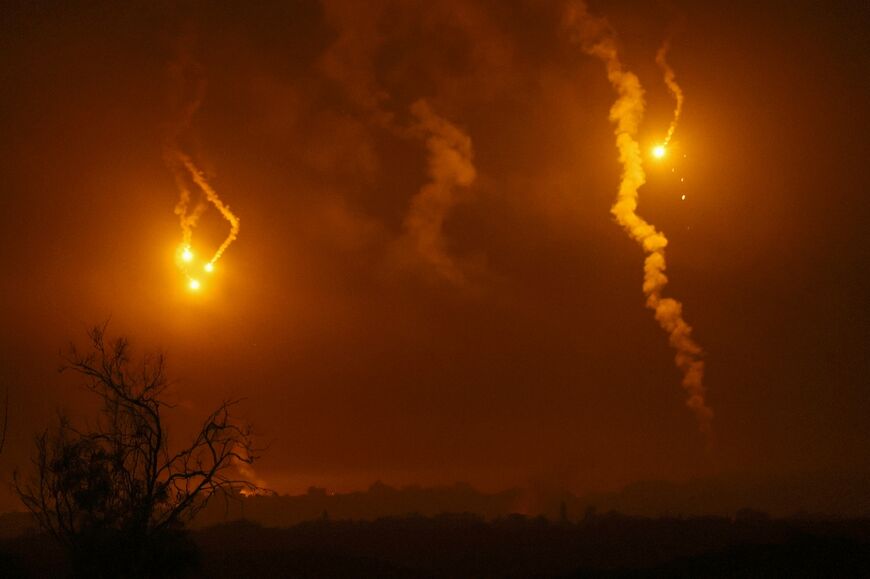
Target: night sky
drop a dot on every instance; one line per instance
(513, 349)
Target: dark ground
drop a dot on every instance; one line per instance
(608, 545)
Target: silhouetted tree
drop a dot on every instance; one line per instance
(115, 494)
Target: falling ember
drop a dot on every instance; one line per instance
(209, 267)
(597, 38)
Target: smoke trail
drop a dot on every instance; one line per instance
(597, 39)
(450, 166)
(210, 194)
(186, 218)
(673, 87)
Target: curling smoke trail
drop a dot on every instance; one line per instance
(598, 39)
(673, 87)
(187, 218)
(450, 166)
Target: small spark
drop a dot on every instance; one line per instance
(683, 196)
(194, 284)
(209, 267)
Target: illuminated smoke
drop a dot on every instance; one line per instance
(449, 166)
(673, 87)
(597, 39)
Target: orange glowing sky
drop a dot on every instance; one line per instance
(498, 336)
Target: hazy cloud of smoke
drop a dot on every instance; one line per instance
(351, 62)
(450, 167)
(597, 39)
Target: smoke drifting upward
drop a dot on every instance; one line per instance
(673, 87)
(597, 39)
(450, 166)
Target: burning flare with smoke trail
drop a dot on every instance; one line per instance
(181, 164)
(675, 90)
(597, 39)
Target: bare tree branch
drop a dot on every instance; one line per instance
(120, 476)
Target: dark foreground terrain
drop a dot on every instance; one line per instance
(468, 546)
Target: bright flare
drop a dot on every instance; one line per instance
(659, 151)
(209, 267)
(597, 39)
(187, 255)
(193, 284)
